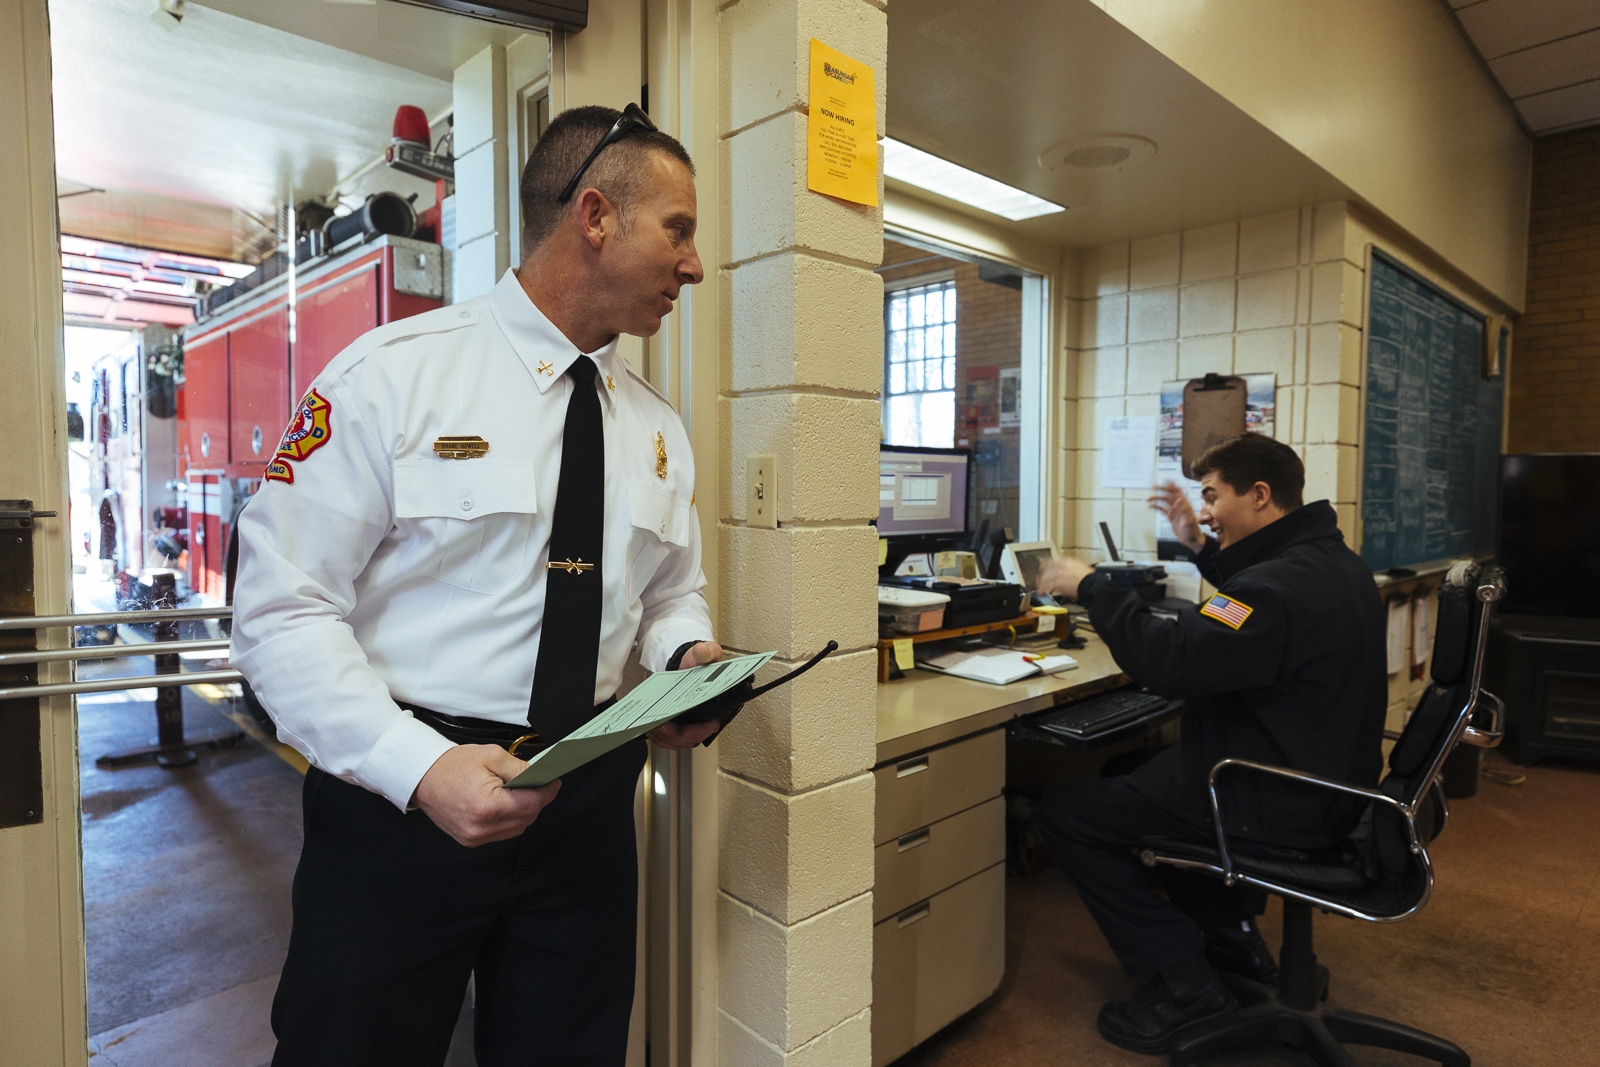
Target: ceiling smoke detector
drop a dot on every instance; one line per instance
(1113, 152)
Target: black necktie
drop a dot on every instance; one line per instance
(569, 641)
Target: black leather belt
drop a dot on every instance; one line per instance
(519, 739)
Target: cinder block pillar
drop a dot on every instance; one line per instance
(802, 368)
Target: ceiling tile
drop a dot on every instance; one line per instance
(1563, 109)
(1501, 26)
(1550, 66)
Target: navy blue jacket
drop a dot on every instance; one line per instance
(1301, 681)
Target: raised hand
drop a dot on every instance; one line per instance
(1173, 502)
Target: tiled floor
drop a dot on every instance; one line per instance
(1504, 960)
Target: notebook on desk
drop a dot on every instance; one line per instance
(996, 666)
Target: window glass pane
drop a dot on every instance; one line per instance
(914, 344)
(897, 378)
(918, 305)
(897, 347)
(950, 303)
(950, 372)
(950, 339)
(897, 312)
(914, 376)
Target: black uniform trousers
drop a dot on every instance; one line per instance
(1093, 829)
(391, 916)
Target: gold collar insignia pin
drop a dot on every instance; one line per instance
(577, 566)
(545, 367)
(460, 447)
(609, 384)
(661, 457)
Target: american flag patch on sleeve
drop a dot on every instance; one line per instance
(1227, 610)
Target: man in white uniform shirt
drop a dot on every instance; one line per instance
(473, 518)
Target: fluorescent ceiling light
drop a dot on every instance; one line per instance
(916, 167)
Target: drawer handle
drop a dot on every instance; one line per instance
(913, 914)
(911, 766)
(915, 840)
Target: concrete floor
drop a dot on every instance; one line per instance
(186, 883)
(187, 877)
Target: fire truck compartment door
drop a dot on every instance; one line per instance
(467, 522)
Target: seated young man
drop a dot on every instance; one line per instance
(1285, 665)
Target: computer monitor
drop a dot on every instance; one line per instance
(922, 492)
(1020, 564)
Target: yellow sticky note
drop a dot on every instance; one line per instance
(842, 131)
(902, 653)
(883, 551)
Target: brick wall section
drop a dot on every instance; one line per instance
(988, 334)
(1555, 367)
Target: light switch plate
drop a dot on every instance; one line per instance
(761, 492)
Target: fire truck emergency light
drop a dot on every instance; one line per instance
(411, 151)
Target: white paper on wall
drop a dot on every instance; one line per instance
(1421, 632)
(1399, 627)
(1129, 458)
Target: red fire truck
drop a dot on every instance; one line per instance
(249, 359)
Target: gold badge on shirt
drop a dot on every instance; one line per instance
(460, 447)
(661, 457)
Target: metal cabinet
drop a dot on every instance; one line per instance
(258, 388)
(205, 402)
(938, 938)
(327, 319)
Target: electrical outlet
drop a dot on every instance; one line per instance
(761, 492)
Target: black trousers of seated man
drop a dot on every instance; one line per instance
(1093, 829)
(391, 916)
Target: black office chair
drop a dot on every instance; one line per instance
(1382, 875)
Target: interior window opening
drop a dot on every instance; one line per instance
(957, 351)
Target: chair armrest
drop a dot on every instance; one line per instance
(1490, 736)
(1228, 876)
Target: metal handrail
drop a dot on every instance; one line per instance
(153, 648)
(48, 622)
(111, 685)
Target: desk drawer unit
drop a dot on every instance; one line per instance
(920, 790)
(917, 865)
(936, 960)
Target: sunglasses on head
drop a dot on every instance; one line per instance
(633, 118)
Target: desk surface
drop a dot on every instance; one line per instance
(926, 708)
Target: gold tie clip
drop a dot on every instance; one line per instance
(569, 566)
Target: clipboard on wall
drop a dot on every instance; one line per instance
(1213, 411)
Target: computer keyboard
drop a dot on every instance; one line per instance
(1099, 714)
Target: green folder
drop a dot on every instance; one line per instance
(659, 698)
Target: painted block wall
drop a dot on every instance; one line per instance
(1554, 383)
(1277, 293)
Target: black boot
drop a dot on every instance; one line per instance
(1240, 949)
(1169, 1001)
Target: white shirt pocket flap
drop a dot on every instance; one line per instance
(660, 512)
(463, 489)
